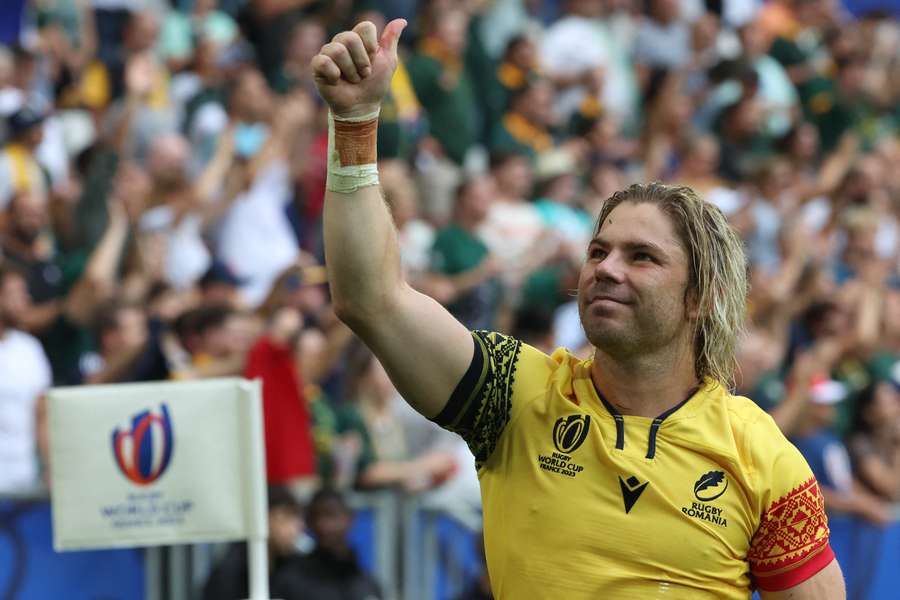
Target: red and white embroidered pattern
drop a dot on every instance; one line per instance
(792, 531)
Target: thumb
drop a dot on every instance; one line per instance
(391, 36)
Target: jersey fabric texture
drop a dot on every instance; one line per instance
(708, 500)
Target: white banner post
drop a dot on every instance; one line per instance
(257, 542)
(149, 464)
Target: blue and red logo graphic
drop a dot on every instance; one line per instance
(144, 452)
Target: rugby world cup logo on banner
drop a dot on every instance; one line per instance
(570, 432)
(144, 451)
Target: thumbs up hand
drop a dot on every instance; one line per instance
(353, 72)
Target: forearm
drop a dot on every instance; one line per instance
(361, 248)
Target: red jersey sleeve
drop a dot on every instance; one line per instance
(791, 543)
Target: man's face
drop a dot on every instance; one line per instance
(284, 529)
(329, 523)
(538, 107)
(14, 299)
(142, 33)
(167, 163)
(253, 99)
(29, 217)
(631, 291)
(478, 198)
(514, 177)
(451, 29)
(131, 332)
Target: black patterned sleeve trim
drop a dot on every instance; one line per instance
(479, 407)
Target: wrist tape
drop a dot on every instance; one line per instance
(352, 152)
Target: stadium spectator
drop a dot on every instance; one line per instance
(442, 84)
(229, 578)
(24, 378)
(663, 39)
(526, 127)
(828, 457)
(580, 43)
(377, 434)
(20, 171)
(181, 30)
(874, 439)
(211, 338)
(331, 571)
(290, 458)
(464, 275)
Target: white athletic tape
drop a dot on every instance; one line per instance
(350, 178)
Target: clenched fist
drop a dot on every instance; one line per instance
(353, 72)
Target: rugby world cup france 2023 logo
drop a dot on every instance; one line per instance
(570, 432)
(144, 451)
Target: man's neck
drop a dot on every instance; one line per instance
(647, 386)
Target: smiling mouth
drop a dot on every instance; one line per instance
(599, 299)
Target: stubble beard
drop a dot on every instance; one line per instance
(641, 333)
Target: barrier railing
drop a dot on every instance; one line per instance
(416, 551)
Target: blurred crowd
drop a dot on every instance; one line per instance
(162, 174)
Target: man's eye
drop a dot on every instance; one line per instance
(642, 256)
(597, 253)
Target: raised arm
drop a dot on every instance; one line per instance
(423, 348)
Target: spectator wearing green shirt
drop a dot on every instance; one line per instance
(461, 261)
(526, 126)
(443, 86)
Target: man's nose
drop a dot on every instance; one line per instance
(611, 268)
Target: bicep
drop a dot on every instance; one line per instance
(424, 349)
(827, 584)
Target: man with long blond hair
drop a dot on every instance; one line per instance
(635, 474)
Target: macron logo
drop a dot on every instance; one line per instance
(632, 489)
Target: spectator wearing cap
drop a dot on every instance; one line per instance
(556, 173)
(874, 439)
(229, 579)
(828, 457)
(331, 571)
(220, 285)
(20, 171)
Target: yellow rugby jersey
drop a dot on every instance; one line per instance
(708, 500)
